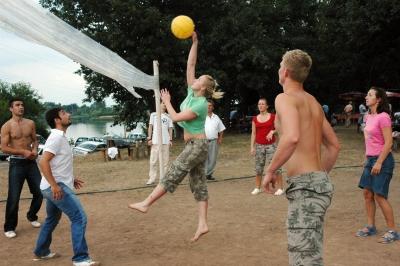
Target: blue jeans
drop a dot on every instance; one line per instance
(19, 170)
(71, 206)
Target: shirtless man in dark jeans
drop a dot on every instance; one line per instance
(18, 138)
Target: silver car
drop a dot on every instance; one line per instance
(88, 147)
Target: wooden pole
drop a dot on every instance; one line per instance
(158, 110)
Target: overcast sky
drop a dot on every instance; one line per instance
(50, 73)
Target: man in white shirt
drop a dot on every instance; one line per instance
(214, 130)
(166, 132)
(57, 186)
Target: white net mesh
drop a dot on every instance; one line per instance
(34, 23)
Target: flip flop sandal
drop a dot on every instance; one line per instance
(366, 231)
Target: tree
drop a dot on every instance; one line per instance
(353, 45)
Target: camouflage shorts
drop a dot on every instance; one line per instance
(309, 197)
(191, 160)
(264, 154)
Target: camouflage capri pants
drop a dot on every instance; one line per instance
(264, 154)
(191, 160)
(309, 197)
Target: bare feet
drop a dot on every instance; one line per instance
(139, 206)
(201, 230)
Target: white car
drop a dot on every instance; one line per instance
(88, 147)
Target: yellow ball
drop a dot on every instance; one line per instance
(182, 27)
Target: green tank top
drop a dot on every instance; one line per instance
(197, 105)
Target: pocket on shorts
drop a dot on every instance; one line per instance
(304, 235)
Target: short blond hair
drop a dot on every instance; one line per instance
(211, 88)
(298, 63)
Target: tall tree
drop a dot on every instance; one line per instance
(353, 45)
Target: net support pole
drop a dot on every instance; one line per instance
(157, 98)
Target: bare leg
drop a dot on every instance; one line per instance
(370, 206)
(387, 211)
(258, 181)
(202, 227)
(143, 206)
(279, 182)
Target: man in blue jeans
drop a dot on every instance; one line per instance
(18, 138)
(57, 188)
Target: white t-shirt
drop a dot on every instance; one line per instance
(62, 163)
(166, 123)
(213, 126)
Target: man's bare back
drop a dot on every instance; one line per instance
(311, 117)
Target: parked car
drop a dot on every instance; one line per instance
(116, 141)
(88, 147)
(134, 137)
(83, 139)
(41, 141)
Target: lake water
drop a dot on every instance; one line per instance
(94, 129)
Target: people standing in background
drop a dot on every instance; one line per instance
(152, 138)
(348, 109)
(325, 107)
(363, 110)
(214, 131)
(379, 165)
(263, 145)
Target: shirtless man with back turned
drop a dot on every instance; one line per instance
(309, 147)
(18, 138)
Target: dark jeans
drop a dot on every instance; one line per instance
(19, 170)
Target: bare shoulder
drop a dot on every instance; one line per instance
(29, 122)
(284, 98)
(311, 98)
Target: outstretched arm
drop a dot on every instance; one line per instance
(192, 59)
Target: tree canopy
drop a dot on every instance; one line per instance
(353, 45)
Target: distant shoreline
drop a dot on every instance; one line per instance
(102, 117)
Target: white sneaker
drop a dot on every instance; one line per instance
(149, 182)
(88, 262)
(35, 224)
(279, 192)
(256, 191)
(51, 255)
(10, 234)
